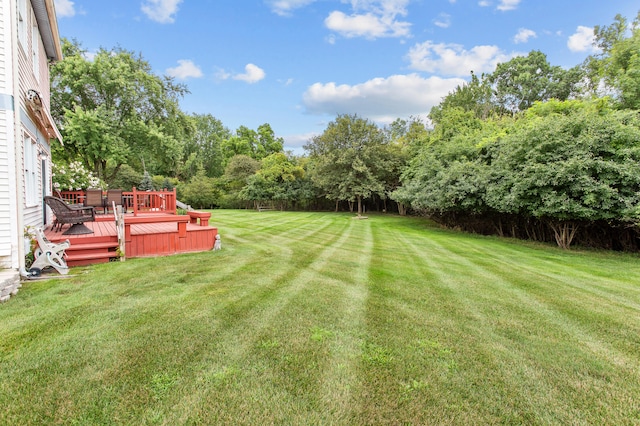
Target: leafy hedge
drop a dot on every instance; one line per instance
(559, 168)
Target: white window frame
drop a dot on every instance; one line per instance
(22, 24)
(31, 189)
(35, 48)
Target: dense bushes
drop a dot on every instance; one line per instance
(558, 171)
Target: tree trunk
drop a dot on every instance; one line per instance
(402, 209)
(359, 205)
(564, 232)
(499, 229)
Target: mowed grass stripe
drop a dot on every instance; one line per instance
(505, 316)
(261, 288)
(273, 334)
(317, 318)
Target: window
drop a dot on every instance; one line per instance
(35, 50)
(22, 23)
(30, 171)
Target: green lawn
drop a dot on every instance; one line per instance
(317, 318)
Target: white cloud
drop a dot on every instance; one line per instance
(508, 4)
(582, 40)
(64, 8)
(298, 141)
(371, 19)
(90, 55)
(286, 7)
(454, 60)
(185, 69)
(161, 11)
(253, 74)
(380, 99)
(366, 25)
(443, 20)
(524, 35)
(484, 3)
(221, 74)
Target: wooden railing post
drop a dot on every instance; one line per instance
(127, 232)
(135, 201)
(120, 230)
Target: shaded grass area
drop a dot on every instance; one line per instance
(312, 318)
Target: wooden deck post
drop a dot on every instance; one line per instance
(120, 230)
(135, 201)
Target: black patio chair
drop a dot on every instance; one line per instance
(66, 214)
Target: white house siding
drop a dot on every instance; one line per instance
(33, 213)
(8, 229)
(5, 195)
(17, 75)
(15, 119)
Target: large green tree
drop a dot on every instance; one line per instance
(278, 181)
(348, 159)
(475, 96)
(618, 63)
(405, 139)
(113, 110)
(255, 144)
(203, 150)
(523, 80)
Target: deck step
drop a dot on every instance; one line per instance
(90, 258)
(87, 256)
(86, 262)
(89, 253)
(75, 241)
(93, 246)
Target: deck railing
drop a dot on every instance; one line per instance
(135, 201)
(72, 197)
(150, 201)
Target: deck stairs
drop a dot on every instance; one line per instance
(87, 251)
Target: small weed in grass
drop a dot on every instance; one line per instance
(376, 355)
(319, 334)
(161, 383)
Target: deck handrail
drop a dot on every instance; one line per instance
(151, 201)
(135, 201)
(72, 197)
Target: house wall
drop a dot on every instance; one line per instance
(18, 211)
(38, 80)
(8, 230)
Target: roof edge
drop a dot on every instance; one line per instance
(45, 12)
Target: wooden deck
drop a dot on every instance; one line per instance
(145, 236)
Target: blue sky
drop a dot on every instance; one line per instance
(295, 64)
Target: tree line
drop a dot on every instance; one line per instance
(533, 151)
(530, 150)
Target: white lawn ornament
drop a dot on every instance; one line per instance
(49, 254)
(217, 245)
